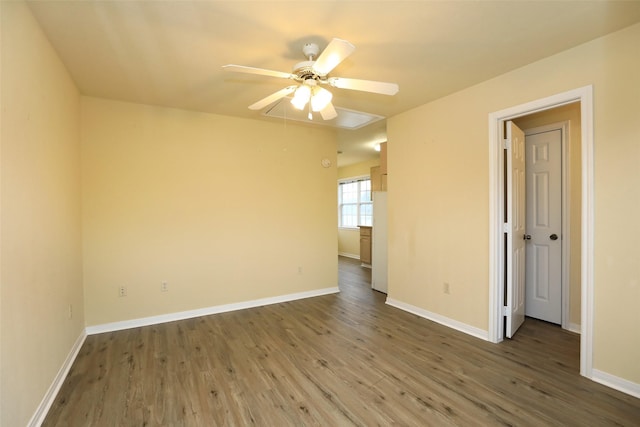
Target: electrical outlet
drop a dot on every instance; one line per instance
(445, 288)
(122, 291)
(70, 313)
(299, 270)
(164, 287)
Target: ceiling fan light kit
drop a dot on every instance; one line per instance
(301, 96)
(310, 92)
(312, 72)
(320, 99)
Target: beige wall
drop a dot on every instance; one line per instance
(40, 216)
(357, 169)
(438, 159)
(224, 210)
(570, 113)
(349, 238)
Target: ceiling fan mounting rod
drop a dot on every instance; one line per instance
(310, 51)
(304, 70)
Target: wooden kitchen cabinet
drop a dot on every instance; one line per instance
(365, 244)
(379, 173)
(383, 158)
(376, 179)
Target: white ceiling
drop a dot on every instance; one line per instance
(170, 53)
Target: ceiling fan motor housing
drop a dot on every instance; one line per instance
(304, 70)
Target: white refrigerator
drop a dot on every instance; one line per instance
(379, 248)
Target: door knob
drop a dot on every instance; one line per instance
(527, 237)
(554, 237)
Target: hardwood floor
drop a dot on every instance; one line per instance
(335, 360)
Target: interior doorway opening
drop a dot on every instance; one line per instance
(553, 175)
(499, 226)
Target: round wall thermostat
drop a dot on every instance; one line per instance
(326, 163)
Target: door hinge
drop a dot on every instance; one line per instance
(505, 310)
(506, 227)
(506, 144)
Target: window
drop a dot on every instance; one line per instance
(354, 203)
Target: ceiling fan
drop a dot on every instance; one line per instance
(311, 75)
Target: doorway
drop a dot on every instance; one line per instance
(499, 225)
(552, 211)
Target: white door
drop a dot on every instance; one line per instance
(379, 257)
(544, 226)
(516, 199)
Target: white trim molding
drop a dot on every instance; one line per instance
(171, 317)
(617, 383)
(445, 321)
(348, 255)
(584, 95)
(41, 412)
(587, 235)
(354, 178)
(574, 327)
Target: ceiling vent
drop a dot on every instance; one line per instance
(346, 119)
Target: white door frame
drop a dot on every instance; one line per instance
(565, 239)
(584, 95)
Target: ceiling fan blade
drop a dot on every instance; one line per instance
(260, 71)
(334, 53)
(273, 98)
(364, 85)
(328, 112)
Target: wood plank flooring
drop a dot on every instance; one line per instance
(336, 360)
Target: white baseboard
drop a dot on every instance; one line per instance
(171, 317)
(41, 412)
(574, 327)
(454, 324)
(617, 383)
(345, 254)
